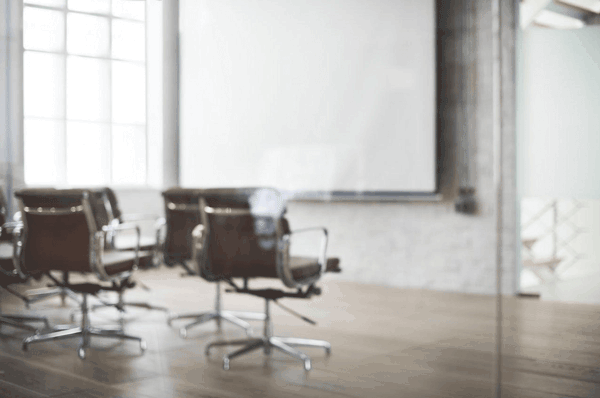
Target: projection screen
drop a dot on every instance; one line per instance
(308, 95)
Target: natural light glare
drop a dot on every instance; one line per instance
(129, 9)
(87, 35)
(128, 155)
(43, 149)
(84, 92)
(51, 3)
(128, 93)
(43, 85)
(43, 29)
(95, 6)
(88, 162)
(128, 40)
(88, 89)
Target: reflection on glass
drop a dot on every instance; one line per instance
(128, 40)
(128, 93)
(87, 89)
(51, 3)
(87, 35)
(88, 153)
(97, 6)
(43, 29)
(43, 84)
(43, 150)
(129, 155)
(129, 9)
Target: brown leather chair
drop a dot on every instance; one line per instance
(114, 215)
(182, 215)
(8, 276)
(60, 234)
(104, 208)
(244, 234)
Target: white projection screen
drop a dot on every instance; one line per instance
(308, 96)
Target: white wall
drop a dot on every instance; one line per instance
(561, 129)
(316, 95)
(428, 244)
(559, 136)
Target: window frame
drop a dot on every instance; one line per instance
(62, 174)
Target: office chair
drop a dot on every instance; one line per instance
(44, 293)
(116, 216)
(104, 211)
(59, 233)
(9, 277)
(182, 216)
(245, 235)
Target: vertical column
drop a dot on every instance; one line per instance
(11, 98)
(170, 92)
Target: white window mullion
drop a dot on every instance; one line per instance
(62, 167)
(110, 95)
(75, 116)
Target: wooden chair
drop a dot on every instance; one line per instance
(244, 234)
(182, 215)
(60, 234)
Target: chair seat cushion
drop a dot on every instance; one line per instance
(307, 267)
(127, 242)
(116, 262)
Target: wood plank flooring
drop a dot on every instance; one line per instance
(387, 342)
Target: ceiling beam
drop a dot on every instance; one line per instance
(593, 19)
(567, 10)
(587, 5)
(530, 9)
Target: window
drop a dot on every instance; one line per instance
(84, 66)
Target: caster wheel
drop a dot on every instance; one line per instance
(327, 351)
(207, 351)
(143, 345)
(225, 363)
(24, 347)
(183, 333)
(169, 321)
(81, 353)
(307, 365)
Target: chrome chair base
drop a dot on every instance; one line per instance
(268, 341)
(33, 296)
(18, 321)
(125, 304)
(234, 317)
(85, 331)
(283, 344)
(121, 305)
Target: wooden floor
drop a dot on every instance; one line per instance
(387, 342)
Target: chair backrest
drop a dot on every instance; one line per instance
(181, 216)
(3, 208)
(113, 203)
(58, 226)
(242, 227)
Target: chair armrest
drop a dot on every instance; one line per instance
(11, 225)
(125, 227)
(160, 230)
(198, 253)
(98, 247)
(139, 217)
(284, 271)
(17, 248)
